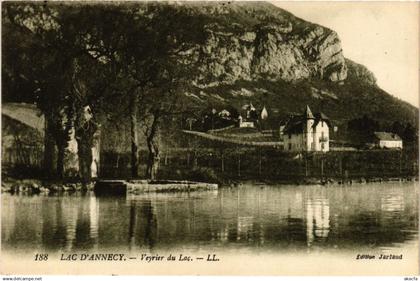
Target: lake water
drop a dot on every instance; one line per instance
(248, 218)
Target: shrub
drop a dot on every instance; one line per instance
(203, 174)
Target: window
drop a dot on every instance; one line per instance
(290, 146)
(290, 136)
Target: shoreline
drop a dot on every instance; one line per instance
(37, 186)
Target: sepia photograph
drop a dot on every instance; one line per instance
(209, 138)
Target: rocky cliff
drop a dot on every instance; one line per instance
(248, 41)
(255, 51)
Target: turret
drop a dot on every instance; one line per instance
(310, 119)
(308, 113)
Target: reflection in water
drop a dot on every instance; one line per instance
(251, 217)
(148, 221)
(244, 228)
(94, 221)
(142, 225)
(70, 218)
(317, 219)
(8, 217)
(393, 202)
(132, 227)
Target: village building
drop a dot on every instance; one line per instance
(244, 123)
(264, 113)
(225, 114)
(248, 117)
(306, 132)
(387, 140)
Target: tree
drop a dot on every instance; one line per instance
(397, 128)
(122, 38)
(35, 59)
(62, 66)
(361, 129)
(161, 103)
(110, 59)
(169, 64)
(409, 134)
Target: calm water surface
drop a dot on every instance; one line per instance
(247, 218)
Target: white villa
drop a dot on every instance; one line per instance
(306, 132)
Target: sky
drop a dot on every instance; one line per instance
(383, 36)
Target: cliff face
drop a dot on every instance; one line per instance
(274, 52)
(258, 52)
(316, 52)
(360, 72)
(271, 44)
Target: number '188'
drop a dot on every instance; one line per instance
(41, 257)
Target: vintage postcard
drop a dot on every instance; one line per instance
(209, 138)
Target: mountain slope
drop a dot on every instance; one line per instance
(251, 40)
(257, 52)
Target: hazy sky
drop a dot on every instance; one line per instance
(383, 36)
